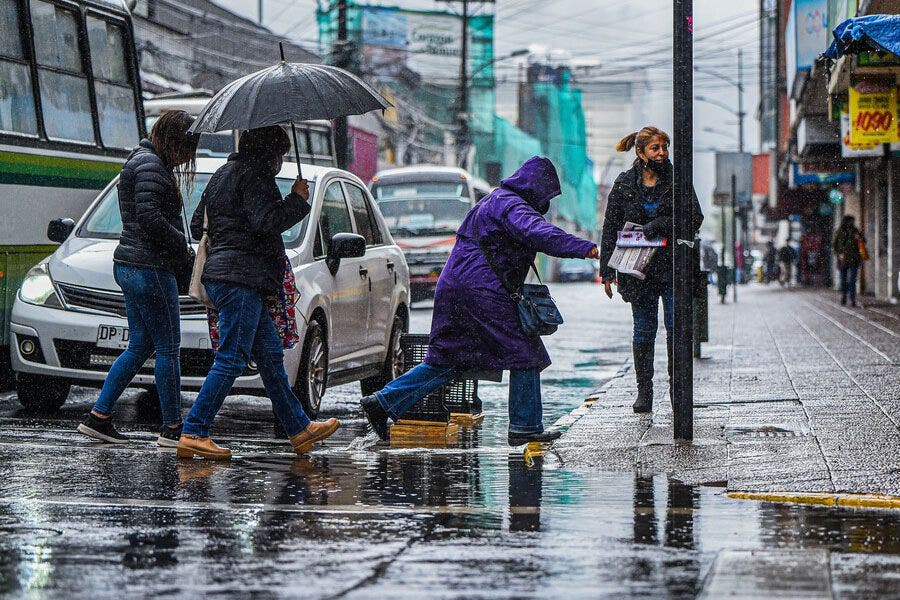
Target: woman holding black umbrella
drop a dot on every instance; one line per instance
(245, 266)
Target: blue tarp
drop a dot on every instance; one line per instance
(880, 33)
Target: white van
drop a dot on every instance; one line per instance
(68, 319)
(424, 205)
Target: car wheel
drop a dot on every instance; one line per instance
(41, 394)
(393, 363)
(312, 376)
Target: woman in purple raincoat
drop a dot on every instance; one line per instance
(476, 322)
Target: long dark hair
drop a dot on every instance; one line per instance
(173, 143)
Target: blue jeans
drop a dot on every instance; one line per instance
(525, 410)
(848, 283)
(645, 312)
(151, 306)
(245, 332)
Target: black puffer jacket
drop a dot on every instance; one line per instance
(246, 219)
(152, 234)
(626, 204)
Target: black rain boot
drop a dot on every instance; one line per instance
(669, 367)
(643, 374)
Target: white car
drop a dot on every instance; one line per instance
(68, 320)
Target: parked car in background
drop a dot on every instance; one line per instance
(576, 269)
(423, 206)
(68, 322)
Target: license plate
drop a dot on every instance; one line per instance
(112, 336)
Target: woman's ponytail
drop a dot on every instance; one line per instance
(627, 142)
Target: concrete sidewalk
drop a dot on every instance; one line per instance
(794, 393)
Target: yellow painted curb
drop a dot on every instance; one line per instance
(822, 499)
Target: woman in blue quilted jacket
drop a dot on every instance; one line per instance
(152, 248)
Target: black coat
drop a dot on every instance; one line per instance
(625, 203)
(246, 216)
(152, 226)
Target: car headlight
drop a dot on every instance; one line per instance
(37, 288)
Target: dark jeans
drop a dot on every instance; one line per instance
(645, 312)
(245, 332)
(151, 306)
(525, 410)
(848, 283)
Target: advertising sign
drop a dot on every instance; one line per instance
(850, 150)
(739, 164)
(806, 36)
(873, 112)
(427, 43)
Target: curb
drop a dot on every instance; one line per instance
(822, 499)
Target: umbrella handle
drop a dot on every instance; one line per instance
(296, 151)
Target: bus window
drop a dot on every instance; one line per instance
(115, 98)
(64, 87)
(319, 142)
(16, 100)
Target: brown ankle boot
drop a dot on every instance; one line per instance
(190, 446)
(315, 432)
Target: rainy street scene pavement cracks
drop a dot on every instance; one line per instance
(790, 489)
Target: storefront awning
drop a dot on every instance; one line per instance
(879, 33)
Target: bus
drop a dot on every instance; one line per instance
(315, 138)
(70, 112)
(423, 206)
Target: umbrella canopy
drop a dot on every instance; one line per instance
(285, 93)
(872, 32)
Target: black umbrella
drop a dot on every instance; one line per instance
(285, 93)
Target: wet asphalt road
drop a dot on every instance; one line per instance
(351, 520)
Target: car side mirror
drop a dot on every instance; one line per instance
(344, 245)
(59, 230)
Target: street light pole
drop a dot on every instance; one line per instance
(682, 202)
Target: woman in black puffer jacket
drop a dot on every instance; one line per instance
(152, 248)
(643, 195)
(246, 216)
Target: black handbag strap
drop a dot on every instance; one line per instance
(516, 295)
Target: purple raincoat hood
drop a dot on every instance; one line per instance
(536, 182)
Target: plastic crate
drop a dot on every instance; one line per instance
(458, 396)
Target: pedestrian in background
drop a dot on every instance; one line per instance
(643, 195)
(847, 244)
(476, 322)
(770, 262)
(785, 264)
(246, 216)
(151, 249)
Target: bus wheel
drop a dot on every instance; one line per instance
(39, 393)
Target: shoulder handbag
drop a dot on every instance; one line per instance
(197, 290)
(863, 251)
(538, 314)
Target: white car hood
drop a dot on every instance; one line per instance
(85, 262)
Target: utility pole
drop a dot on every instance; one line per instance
(734, 249)
(741, 113)
(462, 107)
(259, 11)
(340, 54)
(720, 277)
(683, 201)
(462, 137)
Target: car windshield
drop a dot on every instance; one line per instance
(105, 221)
(421, 189)
(423, 216)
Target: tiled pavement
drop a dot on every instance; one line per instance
(795, 393)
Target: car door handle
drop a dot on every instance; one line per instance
(363, 272)
(390, 266)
